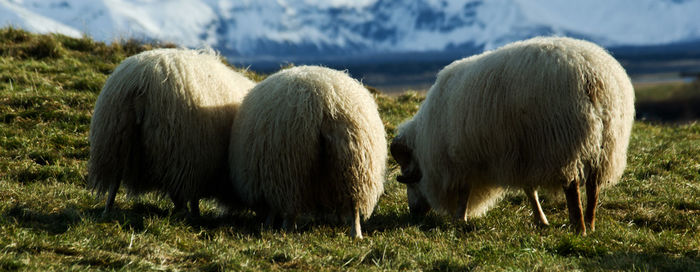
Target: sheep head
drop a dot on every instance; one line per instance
(403, 154)
(410, 175)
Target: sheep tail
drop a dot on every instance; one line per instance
(350, 154)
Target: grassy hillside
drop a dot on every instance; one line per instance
(49, 221)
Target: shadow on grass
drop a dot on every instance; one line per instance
(598, 257)
(53, 223)
(450, 265)
(129, 218)
(391, 221)
(242, 222)
(378, 222)
(59, 222)
(644, 261)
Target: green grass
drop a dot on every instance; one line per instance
(49, 221)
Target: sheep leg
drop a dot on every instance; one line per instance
(540, 218)
(355, 228)
(463, 204)
(592, 190)
(573, 202)
(290, 222)
(194, 207)
(180, 205)
(270, 219)
(113, 188)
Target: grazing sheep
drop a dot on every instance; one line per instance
(545, 112)
(162, 123)
(309, 140)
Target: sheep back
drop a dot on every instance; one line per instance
(162, 122)
(309, 139)
(530, 114)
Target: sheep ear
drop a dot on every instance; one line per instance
(400, 151)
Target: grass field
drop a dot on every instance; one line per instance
(49, 221)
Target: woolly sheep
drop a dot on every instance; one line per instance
(545, 112)
(162, 123)
(309, 140)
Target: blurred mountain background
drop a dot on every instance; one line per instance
(390, 44)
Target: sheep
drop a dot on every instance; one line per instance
(309, 139)
(162, 123)
(546, 112)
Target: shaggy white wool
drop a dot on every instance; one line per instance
(537, 113)
(309, 139)
(163, 121)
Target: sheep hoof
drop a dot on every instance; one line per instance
(460, 217)
(179, 213)
(590, 224)
(356, 228)
(289, 223)
(356, 234)
(105, 213)
(194, 208)
(581, 230)
(541, 223)
(270, 220)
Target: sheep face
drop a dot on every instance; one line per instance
(417, 204)
(410, 175)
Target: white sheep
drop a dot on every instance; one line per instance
(162, 123)
(545, 112)
(309, 140)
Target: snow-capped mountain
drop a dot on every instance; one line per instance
(259, 29)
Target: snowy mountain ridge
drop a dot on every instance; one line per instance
(306, 28)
